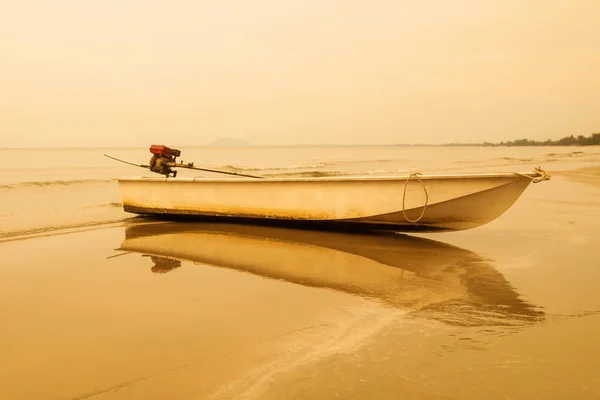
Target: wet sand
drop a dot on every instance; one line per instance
(510, 310)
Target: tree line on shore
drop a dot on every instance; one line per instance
(572, 140)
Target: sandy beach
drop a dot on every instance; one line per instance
(144, 309)
(464, 135)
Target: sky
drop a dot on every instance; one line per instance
(272, 72)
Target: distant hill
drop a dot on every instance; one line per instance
(230, 142)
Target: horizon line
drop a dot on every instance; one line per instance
(272, 146)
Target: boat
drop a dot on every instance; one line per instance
(423, 277)
(412, 203)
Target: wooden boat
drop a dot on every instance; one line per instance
(424, 277)
(407, 203)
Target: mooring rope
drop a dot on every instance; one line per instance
(543, 175)
(416, 175)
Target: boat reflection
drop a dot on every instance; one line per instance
(424, 277)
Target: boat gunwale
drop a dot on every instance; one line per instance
(364, 178)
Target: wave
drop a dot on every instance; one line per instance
(56, 229)
(320, 174)
(105, 205)
(528, 160)
(571, 154)
(308, 174)
(274, 167)
(293, 167)
(550, 157)
(53, 183)
(365, 161)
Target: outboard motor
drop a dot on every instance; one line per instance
(164, 162)
(163, 159)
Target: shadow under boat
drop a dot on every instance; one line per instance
(426, 278)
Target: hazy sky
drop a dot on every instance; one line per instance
(132, 72)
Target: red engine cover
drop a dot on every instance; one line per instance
(160, 150)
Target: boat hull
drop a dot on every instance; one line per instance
(427, 203)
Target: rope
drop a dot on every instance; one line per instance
(543, 175)
(416, 175)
